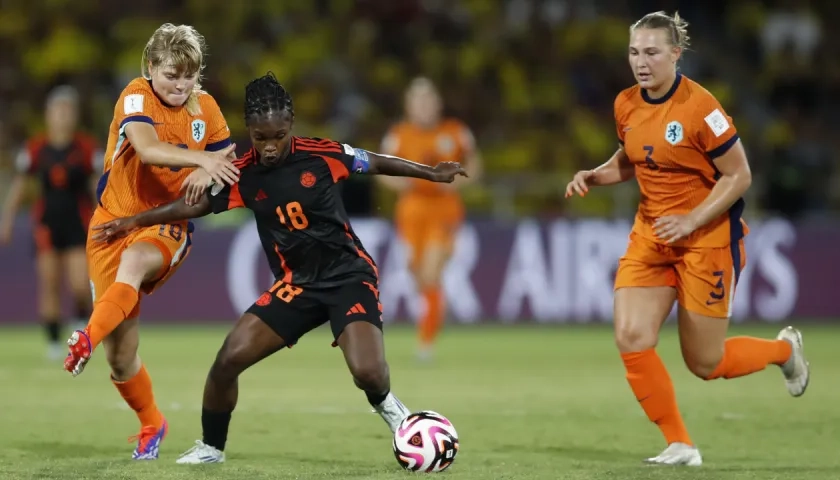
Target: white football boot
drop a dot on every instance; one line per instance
(796, 370)
(201, 453)
(392, 411)
(678, 454)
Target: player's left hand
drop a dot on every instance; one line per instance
(195, 185)
(671, 228)
(114, 229)
(445, 172)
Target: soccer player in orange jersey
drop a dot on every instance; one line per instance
(428, 214)
(163, 125)
(687, 240)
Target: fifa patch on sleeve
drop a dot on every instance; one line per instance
(717, 122)
(361, 161)
(133, 104)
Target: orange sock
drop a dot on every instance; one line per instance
(653, 389)
(116, 304)
(746, 355)
(137, 392)
(432, 320)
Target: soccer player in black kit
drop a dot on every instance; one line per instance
(322, 272)
(64, 162)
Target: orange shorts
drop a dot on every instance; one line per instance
(174, 242)
(705, 278)
(424, 220)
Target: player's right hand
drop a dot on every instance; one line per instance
(580, 183)
(114, 229)
(220, 165)
(195, 185)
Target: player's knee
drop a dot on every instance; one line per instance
(371, 375)
(138, 263)
(635, 338)
(124, 363)
(231, 360)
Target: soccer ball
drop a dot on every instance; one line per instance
(425, 442)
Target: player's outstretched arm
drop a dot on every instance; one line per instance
(169, 213)
(444, 172)
(152, 151)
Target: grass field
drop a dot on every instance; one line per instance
(528, 403)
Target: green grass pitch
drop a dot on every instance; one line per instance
(530, 402)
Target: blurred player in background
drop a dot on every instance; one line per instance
(163, 122)
(428, 215)
(322, 271)
(63, 161)
(687, 241)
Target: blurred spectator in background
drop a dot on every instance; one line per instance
(62, 161)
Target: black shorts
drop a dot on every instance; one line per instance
(59, 235)
(292, 312)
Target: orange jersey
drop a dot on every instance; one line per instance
(449, 141)
(672, 142)
(128, 186)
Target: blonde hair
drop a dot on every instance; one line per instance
(676, 27)
(179, 46)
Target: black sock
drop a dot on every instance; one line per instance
(376, 399)
(215, 427)
(53, 329)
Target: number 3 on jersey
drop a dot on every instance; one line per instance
(651, 165)
(296, 219)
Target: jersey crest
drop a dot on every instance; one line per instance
(674, 132)
(198, 129)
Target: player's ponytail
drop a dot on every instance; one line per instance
(676, 27)
(181, 46)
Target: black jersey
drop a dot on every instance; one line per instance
(301, 220)
(64, 175)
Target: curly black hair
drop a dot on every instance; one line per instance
(265, 95)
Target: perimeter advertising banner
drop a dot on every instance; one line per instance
(527, 270)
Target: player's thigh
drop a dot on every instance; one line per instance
(103, 258)
(250, 341)
(161, 250)
(438, 246)
(644, 294)
(74, 262)
(290, 312)
(356, 322)
(707, 279)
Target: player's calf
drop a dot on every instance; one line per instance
(364, 353)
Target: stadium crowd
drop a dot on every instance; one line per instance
(535, 80)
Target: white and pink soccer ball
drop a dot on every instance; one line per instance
(425, 442)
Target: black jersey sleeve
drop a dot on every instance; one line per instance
(341, 157)
(225, 198)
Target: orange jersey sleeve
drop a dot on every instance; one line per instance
(128, 186)
(449, 141)
(672, 141)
